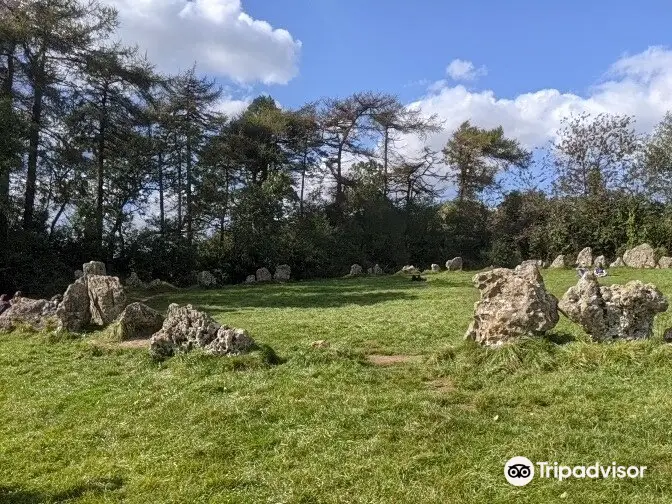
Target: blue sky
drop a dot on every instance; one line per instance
(532, 62)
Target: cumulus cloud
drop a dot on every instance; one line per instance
(462, 70)
(639, 85)
(218, 34)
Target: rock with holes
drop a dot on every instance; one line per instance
(585, 258)
(559, 262)
(206, 279)
(436, 268)
(137, 321)
(356, 270)
(282, 273)
(96, 268)
(454, 264)
(186, 328)
(642, 256)
(618, 263)
(600, 262)
(73, 312)
(514, 303)
(538, 263)
(107, 299)
(665, 262)
(36, 314)
(611, 312)
(263, 275)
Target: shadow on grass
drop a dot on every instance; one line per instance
(560, 338)
(16, 495)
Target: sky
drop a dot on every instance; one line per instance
(522, 64)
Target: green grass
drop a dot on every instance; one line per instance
(84, 421)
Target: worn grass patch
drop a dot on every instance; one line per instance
(84, 420)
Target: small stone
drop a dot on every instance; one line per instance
(263, 275)
(282, 273)
(251, 279)
(436, 268)
(356, 270)
(559, 262)
(206, 279)
(454, 264)
(320, 344)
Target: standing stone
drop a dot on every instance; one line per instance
(186, 328)
(559, 262)
(137, 321)
(585, 258)
(94, 268)
(133, 281)
(73, 313)
(665, 262)
(251, 279)
(513, 303)
(618, 263)
(377, 270)
(600, 262)
(436, 268)
(282, 273)
(611, 312)
(369, 271)
(356, 270)
(34, 313)
(206, 279)
(642, 256)
(454, 264)
(107, 299)
(533, 262)
(263, 275)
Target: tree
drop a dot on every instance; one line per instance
(593, 154)
(474, 156)
(657, 165)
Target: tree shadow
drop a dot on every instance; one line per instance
(560, 338)
(17, 495)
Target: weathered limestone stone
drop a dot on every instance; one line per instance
(665, 262)
(454, 264)
(94, 268)
(251, 279)
(134, 281)
(137, 321)
(436, 268)
(377, 270)
(600, 262)
(206, 279)
(186, 328)
(73, 312)
(282, 273)
(559, 262)
(585, 258)
(533, 262)
(613, 312)
(618, 263)
(263, 275)
(642, 256)
(409, 269)
(107, 299)
(513, 303)
(356, 270)
(34, 313)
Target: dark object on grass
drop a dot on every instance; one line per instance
(667, 335)
(418, 278)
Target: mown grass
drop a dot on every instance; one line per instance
(84, 421)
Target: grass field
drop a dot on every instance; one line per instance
(84, 420)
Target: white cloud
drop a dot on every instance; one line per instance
(639, 85)
(462, 70)
(232, 107)
(218, 34)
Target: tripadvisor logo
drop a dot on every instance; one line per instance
(519, 471)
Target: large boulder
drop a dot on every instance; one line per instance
(559, 262)
(454, 264)
(34, 313)
(282, 273)
(94, 268)
(513, 303)
(186, 328)
(356, 270)
(585, 258)
(73, 312)
(665, 262)
(613, 312)
(137, 321)
(618, 263)
(436, 268)
(600, 262)
(263, 275)
(206, 279)
(642, 256)
(107, 299)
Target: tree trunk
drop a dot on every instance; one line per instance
(179, 191)
(189, 216)
(6, 96)
(100, 175)
(33, 147)
(162, 212)
(303, 178)
(385, 147)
